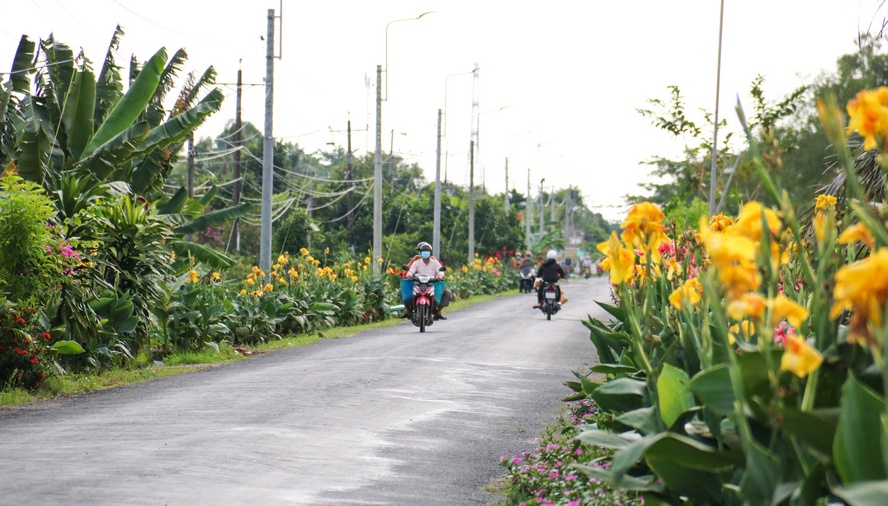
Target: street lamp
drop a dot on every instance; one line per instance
(387, 48)
(436, 227)
(377, 159)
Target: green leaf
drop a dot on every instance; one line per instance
(68, 348)
(673, 394)
(714, 389)
(202, 253)
(79, 111)
(131, 105)
(859, 428)
(174, 205)
(616, 312)
(606, 439)
(615, 369)
(178, 128)
(621, 395)
(815, 432)
(643, 420)
(699, 485)
(762, 473)
(213, 219)
(870, 493)
(639, 484)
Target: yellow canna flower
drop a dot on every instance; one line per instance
(465, 268)
(379, 260)
(255, 270)
(282, 281)
(605, 264)
(749, 305)
(857, 233)
(275, 267)
(261, 274)
(192, 276)
(749, 222)
(643, 229)
(354, 278)
(867, 116)
(622, 259)
(800, 358)
(283, 260)
(820, 225)
(216, 276)
(327, 251)
(824, 202)
(688, 293)
(747, 328)
(782, 307)
(243, 291)
(366, 260)
(274, 274)
(269, 287)
(720, 223)
(862, 287)
(249, 281)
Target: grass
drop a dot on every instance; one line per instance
(191, 361)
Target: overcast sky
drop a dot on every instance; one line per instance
(559, 81)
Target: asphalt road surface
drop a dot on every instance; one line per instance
(388, 416)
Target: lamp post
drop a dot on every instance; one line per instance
(387, 48)
(436, 228)
(478, 146)
(377, 159)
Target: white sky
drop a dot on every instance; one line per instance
(569, 73)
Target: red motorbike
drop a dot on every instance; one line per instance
(423, 301)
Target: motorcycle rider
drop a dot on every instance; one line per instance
(550, 272)
(428, 265)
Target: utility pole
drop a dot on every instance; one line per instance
(552, 209)
(377, 177)
(506, 192)
(436, 229)
(567, 219)
(542, 208)
(476, 116)
(267, 150)
(712, 169)
(238, 184)
(350, 220)
(527, 211)
(189, 177)
(471, 201)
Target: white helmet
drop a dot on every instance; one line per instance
(552, 254)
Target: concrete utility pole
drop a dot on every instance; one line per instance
(567, 205)
(542, 208)
(189, 175)
(476, 114)
(267, 150)
(436, 228)
(712, 169)
(471, 201)
(552, 209)
(238, 184)
(350, 220)
(527, 211)
(506, 192)
(377, 177)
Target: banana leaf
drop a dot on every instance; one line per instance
(178, 128)
(109, 87)
(155, 113)
(131, 105)
(213, 219)
(202, 254)
(174, 205)
(79, 111)
(34, 144)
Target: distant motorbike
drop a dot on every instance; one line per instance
(587, 271)
(599, 270)
(526, 284)
(551, 299)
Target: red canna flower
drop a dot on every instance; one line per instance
(45, 335)
(20, 320)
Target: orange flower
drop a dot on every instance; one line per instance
(782, 307)
(867, 116)
(800, 358)
(862, 287)
(857, 233)
(688, 293)
(643, 229)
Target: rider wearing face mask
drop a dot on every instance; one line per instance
(429, 265)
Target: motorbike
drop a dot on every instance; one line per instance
(587, 272)
(599, 270)
(526, 284)
(427, 292)
(551, 299)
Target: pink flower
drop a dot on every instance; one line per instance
(782, 331)
(516, 460)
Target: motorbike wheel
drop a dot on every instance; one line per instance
(422, 317)
(548, 314)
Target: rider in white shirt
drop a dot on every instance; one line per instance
(429, 266)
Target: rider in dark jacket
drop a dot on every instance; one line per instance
(550, 272)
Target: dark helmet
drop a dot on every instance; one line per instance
(424, 246)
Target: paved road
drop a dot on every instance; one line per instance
(389, 416)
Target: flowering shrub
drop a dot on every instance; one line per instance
(23, 356)
(746, 357)
(551, 474)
